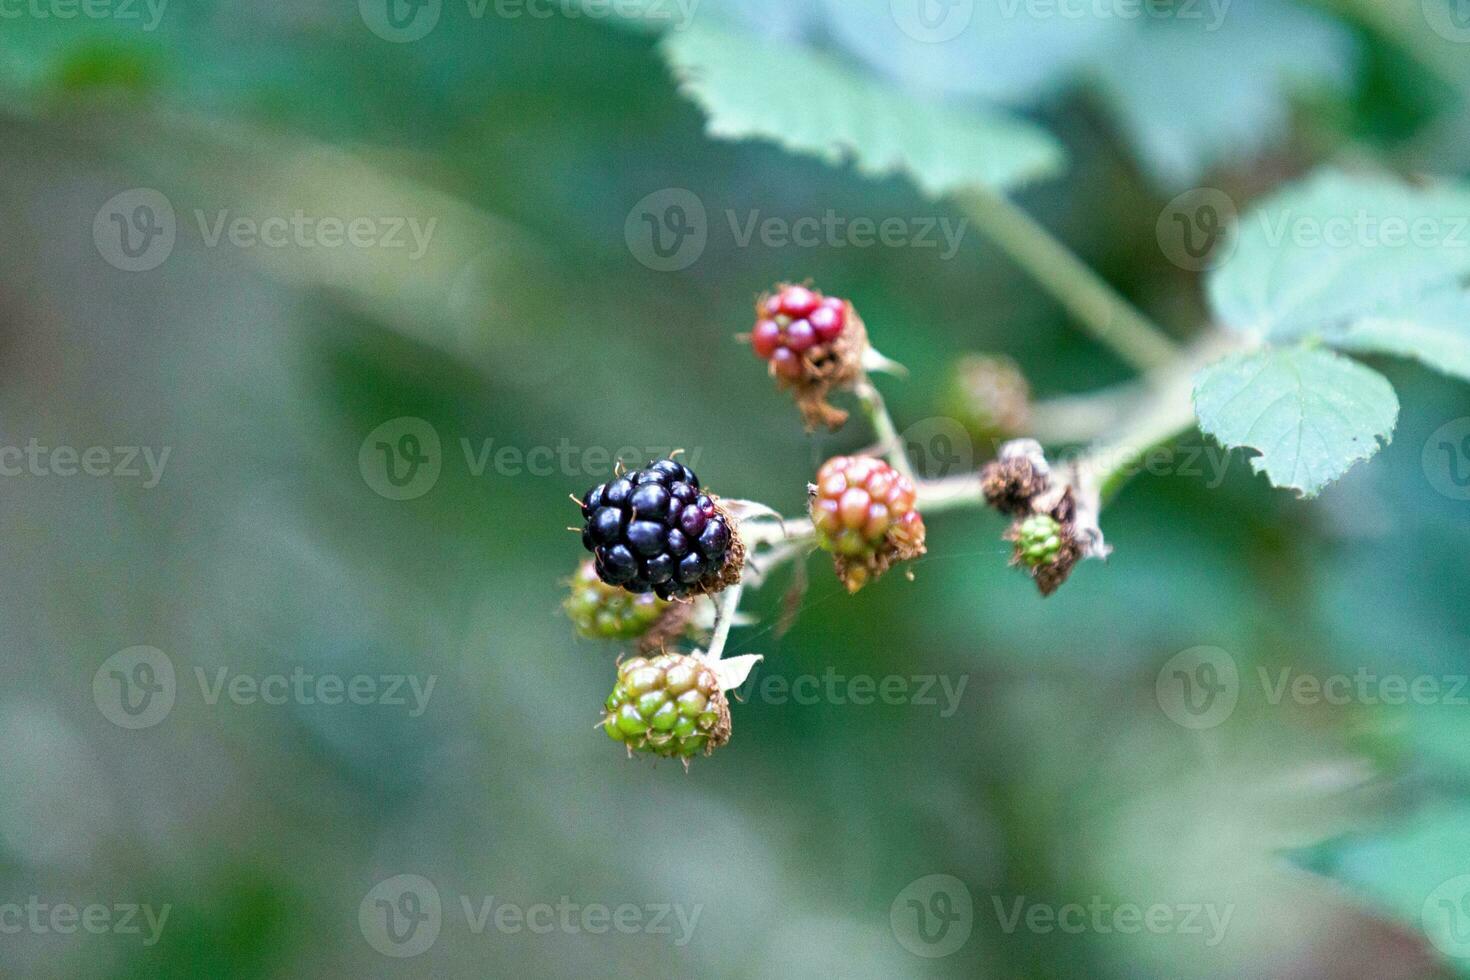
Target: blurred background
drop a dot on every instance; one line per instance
(275, 706)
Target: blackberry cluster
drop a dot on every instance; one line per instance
(794, 321)
(670, 705)
(654, 530)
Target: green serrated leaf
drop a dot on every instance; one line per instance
(1434, 331)
(1311, 414)
(1418, 874)
(1322, 256)
(809, 103)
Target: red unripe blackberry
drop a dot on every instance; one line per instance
(864, 513)
(654, 530)
(812, 344)
(796, 319)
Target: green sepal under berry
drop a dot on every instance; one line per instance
(670, 705)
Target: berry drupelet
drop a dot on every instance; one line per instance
(655, 530)
(864, 514)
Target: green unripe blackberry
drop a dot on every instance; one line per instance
(670, 705)
(604, 612)
(1039, 540)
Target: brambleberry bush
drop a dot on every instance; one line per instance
(1275, 370)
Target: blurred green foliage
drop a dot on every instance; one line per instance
(530, 322)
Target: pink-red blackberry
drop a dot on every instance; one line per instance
(812, 344)
(864, 514)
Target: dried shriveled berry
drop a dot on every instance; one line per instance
(1011, 483)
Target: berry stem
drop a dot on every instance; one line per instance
(890, 444)
(1110, 318)
(726, 607)
(1163, 413)
(950, 493)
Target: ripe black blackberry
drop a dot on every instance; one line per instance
(655, 530)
